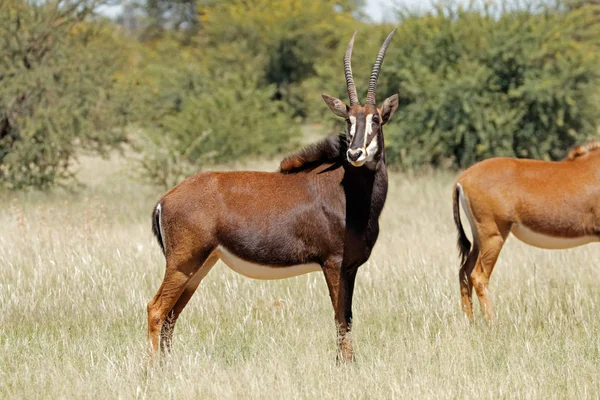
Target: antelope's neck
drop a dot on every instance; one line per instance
(366, 192)
(380, 179)
(380, 186)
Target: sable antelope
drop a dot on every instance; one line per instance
(318, 213)
(552, 205)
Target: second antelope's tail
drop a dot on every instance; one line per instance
(463, 243)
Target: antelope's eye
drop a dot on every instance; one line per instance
(375, 119)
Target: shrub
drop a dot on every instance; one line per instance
(474, 85)
(56, 90)
(192, 118)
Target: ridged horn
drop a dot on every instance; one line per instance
(348, 72)
(376, 68)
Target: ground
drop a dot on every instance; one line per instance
(77, 269)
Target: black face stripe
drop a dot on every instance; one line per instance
(359, 132)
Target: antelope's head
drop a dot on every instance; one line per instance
(364, 131)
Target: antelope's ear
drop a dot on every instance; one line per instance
(389, 107)
(338, 107)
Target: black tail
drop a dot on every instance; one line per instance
(463, 243)
(156, 226)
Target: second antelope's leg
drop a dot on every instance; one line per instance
(341, 288)
(166, 331)
(178, 275)
(490, 244)
(466, 284)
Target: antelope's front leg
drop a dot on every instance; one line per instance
(341, 288)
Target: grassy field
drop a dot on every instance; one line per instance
(77, 269)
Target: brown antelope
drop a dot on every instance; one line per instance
(318, 213)
(552, 205)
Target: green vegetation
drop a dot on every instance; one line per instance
(195, 84)
(57, 92)
(194, 116)
(475, 86)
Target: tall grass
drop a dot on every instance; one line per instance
(77, 269)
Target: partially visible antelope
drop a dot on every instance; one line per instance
(318, 213)
(552, 205)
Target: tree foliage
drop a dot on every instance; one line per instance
(55, 89)
(194, 115)
(286, 40)
(474, 85)
(200, 82)
(234, 90)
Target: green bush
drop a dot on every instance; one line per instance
(56, 90)
(192, 117)
(284, 40)
(474, 85)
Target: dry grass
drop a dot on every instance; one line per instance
(76, 272)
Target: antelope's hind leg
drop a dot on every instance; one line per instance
(466, 284)
(491, 241)
(166, 331)
(182, 277)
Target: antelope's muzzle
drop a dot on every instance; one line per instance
(356, 156)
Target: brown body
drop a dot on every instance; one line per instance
(553, 205)
(318, 213)
(274, 220)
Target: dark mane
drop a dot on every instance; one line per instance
(329, 150)
(582, 149)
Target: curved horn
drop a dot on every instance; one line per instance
(348, 72)
(376, 67)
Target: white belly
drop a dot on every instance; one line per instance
(257, 271)
(536, 239)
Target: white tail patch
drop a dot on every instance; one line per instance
(529, 236)
(467, 210)
(265, 272)
(160, 228)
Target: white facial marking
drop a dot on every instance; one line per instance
(368, 128)
(352, 126)
(265, 272)
(529, 236)
(372, 149)
(368, 152)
